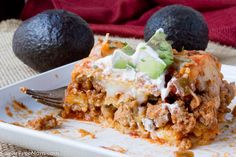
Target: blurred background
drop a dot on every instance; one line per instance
(108, 15)
(125, 20)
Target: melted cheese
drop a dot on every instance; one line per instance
(148, 124)
(129, 81)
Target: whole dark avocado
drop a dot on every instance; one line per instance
(51, 39)
(185, 27)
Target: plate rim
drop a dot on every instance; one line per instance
(53, 138)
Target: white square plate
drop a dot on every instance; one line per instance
(70, 143)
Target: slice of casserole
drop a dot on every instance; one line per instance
(154, 92)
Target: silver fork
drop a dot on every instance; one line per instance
(53, 98)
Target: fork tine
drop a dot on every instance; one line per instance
(57, 105)
(47, 99)
(32, 93)
(42, 94)
(54, 98)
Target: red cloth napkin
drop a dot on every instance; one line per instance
(128, 17)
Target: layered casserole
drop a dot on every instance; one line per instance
(153, 92)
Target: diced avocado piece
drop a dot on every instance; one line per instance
(128, 50)
(152, 67)
(157, 37)
(131, 65)
(162, 47)
(120, 64)
(120, 60)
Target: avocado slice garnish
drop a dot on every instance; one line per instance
(151, 65)
(120, 60)
(162, 47)
(127, 49)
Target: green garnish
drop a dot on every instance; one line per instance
(95, 66)
(120, 60)
(162, 47)
(143, 48)
(152, 67)
(112, 47)
(150, 64)
(128, 50)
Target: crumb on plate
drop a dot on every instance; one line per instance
(8, 111)
(115, 148)
(19, 106)
(55, 132)
(17, 124)
(183, 153)
(224, 139)
(234, 111)
(43, 123)
(86, 133)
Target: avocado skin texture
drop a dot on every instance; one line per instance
(51, 39)
(184, 26)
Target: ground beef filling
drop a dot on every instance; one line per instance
(190, 117)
